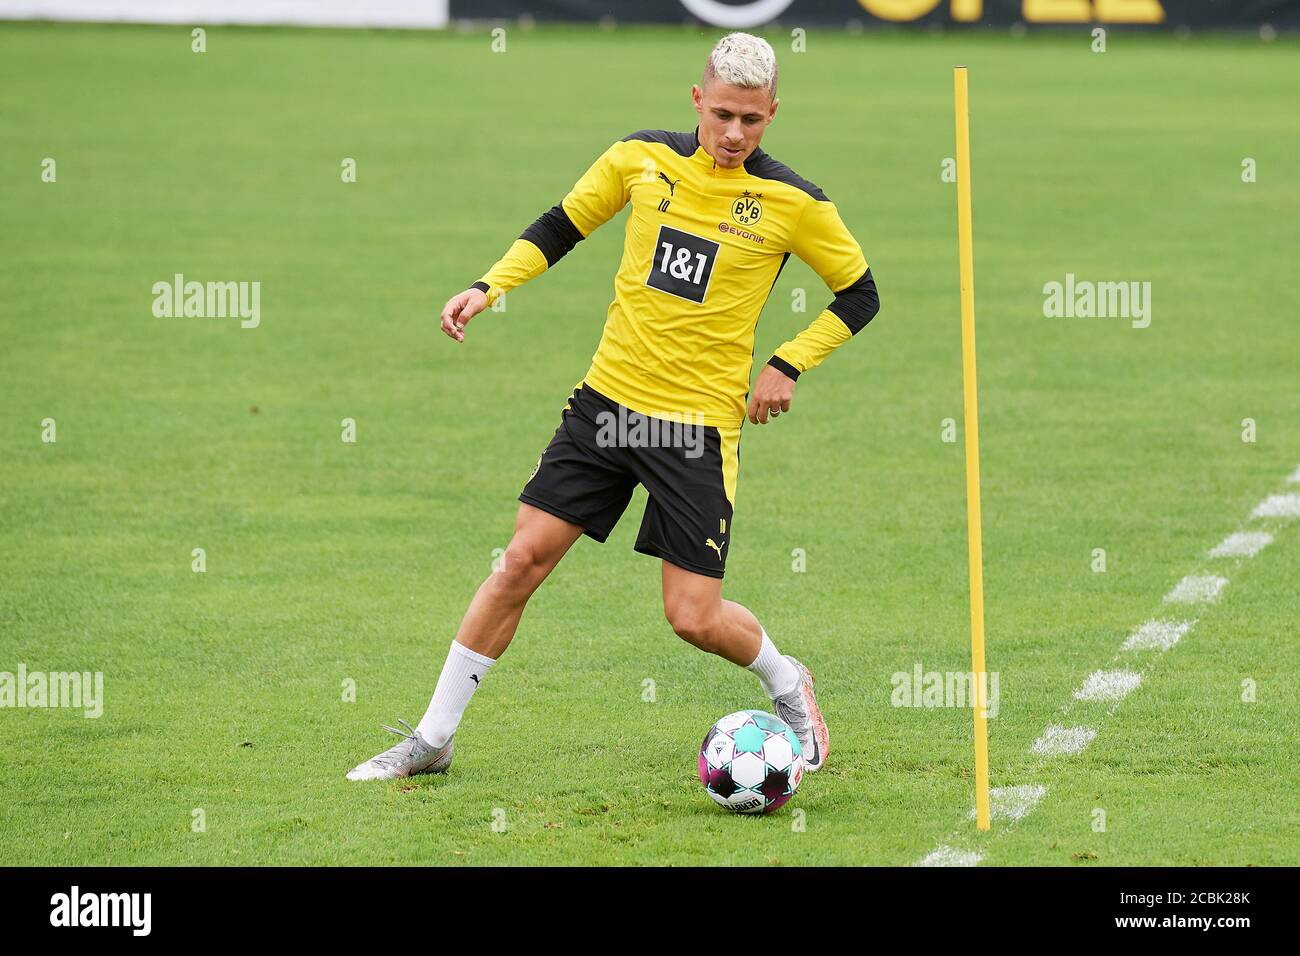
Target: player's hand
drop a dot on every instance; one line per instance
(772, 395)
(460, 308)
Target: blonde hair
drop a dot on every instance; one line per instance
(743, 60)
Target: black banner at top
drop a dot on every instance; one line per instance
(744, 14)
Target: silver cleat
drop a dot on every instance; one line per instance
(799, 709)
(410, 757)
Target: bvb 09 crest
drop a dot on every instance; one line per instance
(747, 209)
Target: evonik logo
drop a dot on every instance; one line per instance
(742, 233)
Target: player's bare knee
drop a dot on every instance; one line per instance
(519, 572)
(694, 625)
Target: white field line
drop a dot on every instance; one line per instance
(1063, 740)
(1295, 475)
(1108, 685)
(1012, 803)
(1278, 506)
(948, 856)
(1241, 544)
(1155, 635)
(1197, 589)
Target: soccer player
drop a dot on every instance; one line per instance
(713, 220)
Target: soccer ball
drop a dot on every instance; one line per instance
(751, 762)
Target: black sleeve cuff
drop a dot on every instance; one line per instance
(781, 365)
(482, 287)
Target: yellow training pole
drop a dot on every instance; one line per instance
(974, 550)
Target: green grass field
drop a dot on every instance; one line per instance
(329, 562)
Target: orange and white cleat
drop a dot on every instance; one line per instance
(799, 709)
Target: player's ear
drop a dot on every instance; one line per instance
(771, 115)
(697, 97)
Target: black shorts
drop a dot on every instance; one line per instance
(602, 451)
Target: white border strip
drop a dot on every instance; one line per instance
(402, 14)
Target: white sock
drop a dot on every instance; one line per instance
(456, 685)
(777, 675)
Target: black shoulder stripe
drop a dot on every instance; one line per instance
(763, 166)
(684, 144)
(554, 233)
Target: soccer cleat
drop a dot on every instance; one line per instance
(406, 759)
(799, 709)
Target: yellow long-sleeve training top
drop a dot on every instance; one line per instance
(702, 250)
